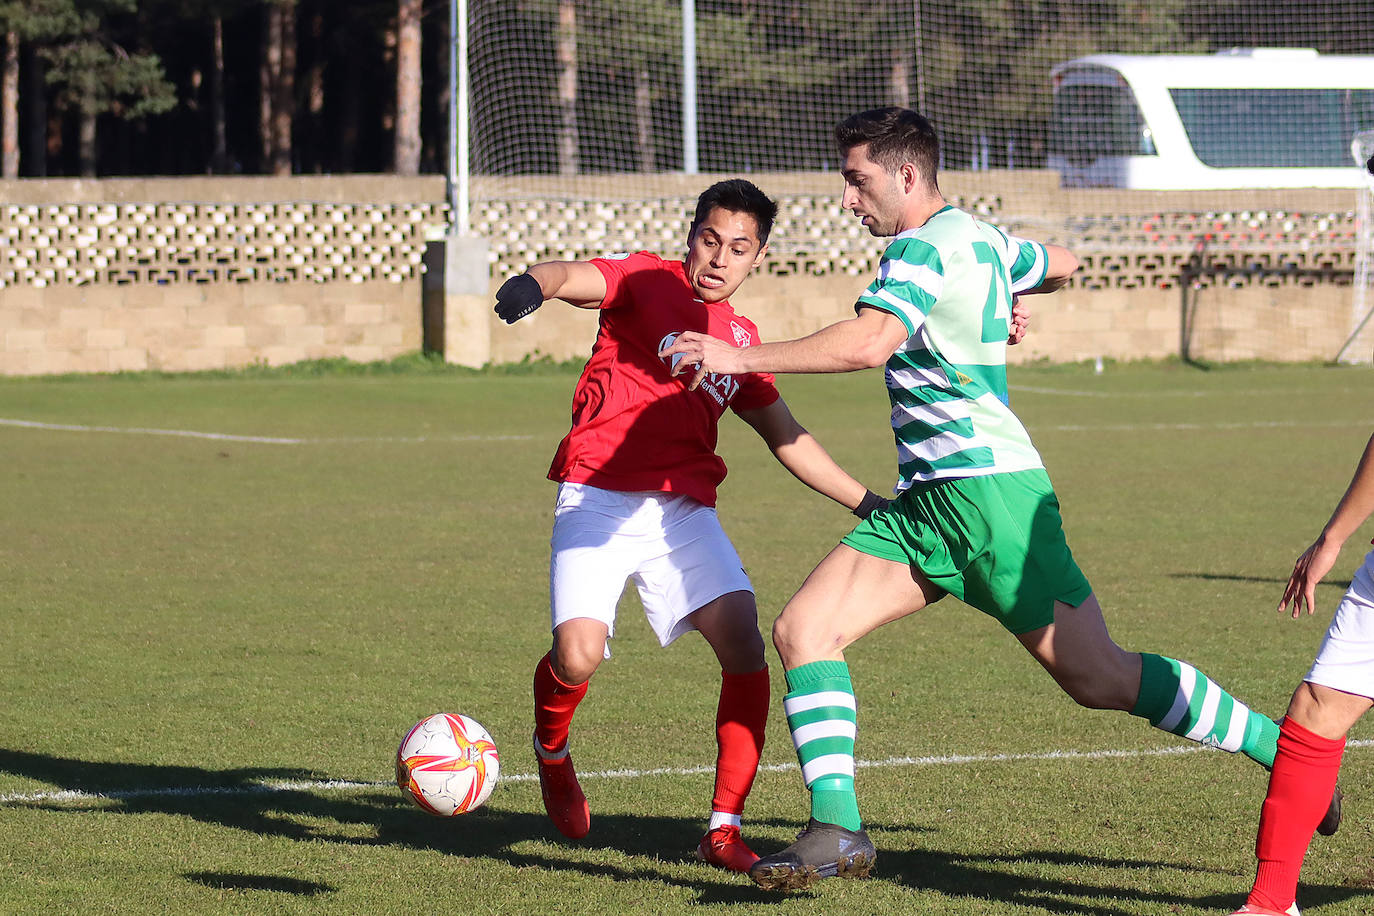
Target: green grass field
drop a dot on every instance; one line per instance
(209, 648)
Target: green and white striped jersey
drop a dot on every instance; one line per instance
(950, 282)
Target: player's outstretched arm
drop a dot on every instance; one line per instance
(1316, 561)
(862, 342)
(576, 282)
(802, 455)
(1062, 265)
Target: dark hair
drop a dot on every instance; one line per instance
(737, 196)
(895, 136)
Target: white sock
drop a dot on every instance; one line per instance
(722, 819)
(545, 755)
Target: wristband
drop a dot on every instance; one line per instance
(871, 503)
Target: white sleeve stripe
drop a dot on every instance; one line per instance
(922, 275)
(903, 306)
(1036, 274)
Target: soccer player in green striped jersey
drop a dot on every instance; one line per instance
(975, 515)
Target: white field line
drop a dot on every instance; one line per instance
(1032, 389)
(1197, 427)
(261, 440)
(1156, 395)
(269, 787)
(336, 440)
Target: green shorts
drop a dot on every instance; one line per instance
(995, 542)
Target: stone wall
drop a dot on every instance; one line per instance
(199, 273)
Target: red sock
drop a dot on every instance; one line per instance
(1300, 788)
(554, 703)
(740, 718)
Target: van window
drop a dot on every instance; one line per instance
(1091, 121)
(1273, 128)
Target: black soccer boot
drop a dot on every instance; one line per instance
(822, 851)
(1331, 821)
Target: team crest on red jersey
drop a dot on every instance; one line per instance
(721, 387)
(742, 337)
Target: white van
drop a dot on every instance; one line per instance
(1245, 118)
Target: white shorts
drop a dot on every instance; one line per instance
(1345, 660)
(672, 546)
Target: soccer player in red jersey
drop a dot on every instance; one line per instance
(1336, 692)
(637, 477)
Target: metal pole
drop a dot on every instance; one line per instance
(464, 153)
(920, 60)
(689, 87)
(458, 177)
(451, 172)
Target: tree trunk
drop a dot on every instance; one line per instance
(567, 87)
(9, 108)
(344, 155)
(407, 138)
(314, 93)
(34, 155)
(268, 65)
(284, 94)
(644, 120)
(219, 135)
(86, 146)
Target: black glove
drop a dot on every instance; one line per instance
(517, 297)
(871, 503)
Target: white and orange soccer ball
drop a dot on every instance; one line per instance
(447, 764)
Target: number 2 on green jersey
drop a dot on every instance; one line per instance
(994, 328)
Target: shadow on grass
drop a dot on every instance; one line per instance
(1002, 879)
(1342, 584)
(621, 847)
(233, 881)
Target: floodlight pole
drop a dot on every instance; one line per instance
(689, 87)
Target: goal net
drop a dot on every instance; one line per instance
(588, 134)
(584, 87)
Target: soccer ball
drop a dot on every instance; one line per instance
(447, 764)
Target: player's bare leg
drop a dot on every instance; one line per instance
(560, 683)
(1091, 668)
(847, 596)
(730, 625)
(1326, 711)
(1080, 655)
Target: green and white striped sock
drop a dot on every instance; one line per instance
(1180, 699)
(820, 711)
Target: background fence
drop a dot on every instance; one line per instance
(580, 148)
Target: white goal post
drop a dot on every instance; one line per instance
(1359, 346)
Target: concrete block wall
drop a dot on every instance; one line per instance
(202, 273)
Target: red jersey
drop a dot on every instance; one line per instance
(634, 426)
